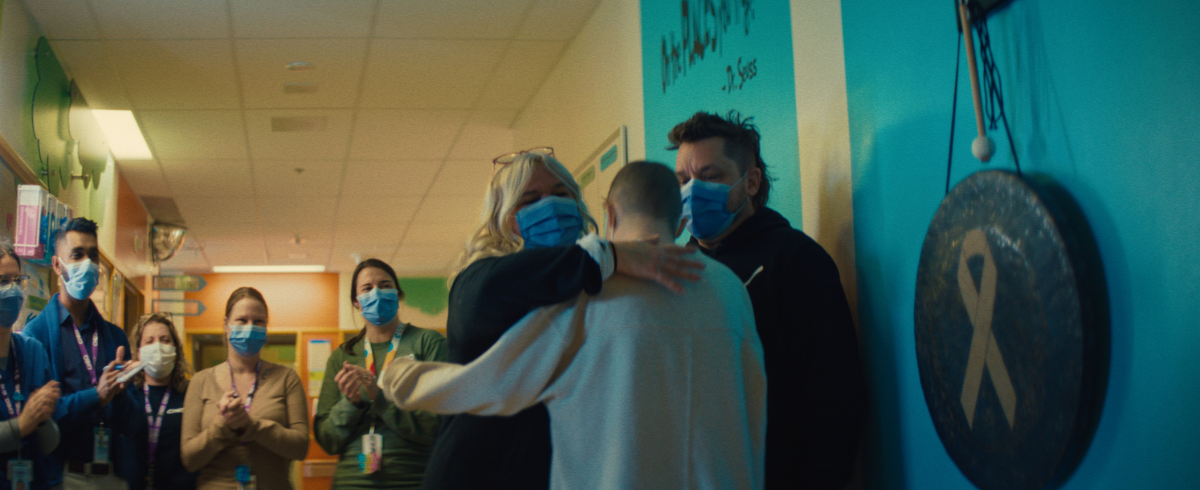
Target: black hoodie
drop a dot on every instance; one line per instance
(816, 397)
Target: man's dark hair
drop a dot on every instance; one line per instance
(741, 143)
(649, 189)
(81, 225)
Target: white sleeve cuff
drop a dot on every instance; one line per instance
(601, 252)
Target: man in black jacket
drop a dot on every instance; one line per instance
(816, 394)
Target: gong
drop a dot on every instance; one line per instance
(1008, 340)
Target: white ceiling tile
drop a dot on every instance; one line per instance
(556, 20)
(289, 254)
(209, 178)
(337, 68)
(467, 179)
(297, 209)
(227, 209)
(428, 74)
(145, 177)
(404, 178)
(379, 210)
(194, 134)
(217, 229)
(329, 143)
(486, 135)
(424, 258)
(523, 69)
(95, 76)
(312, 232)
(162, 19)
(450, 19)
(177, 74)
(64, 19)
(369, 235)
(188, 261)
(279, 178)
(399, 134)
(451, 235)
(240, 256)
(447, 210)
(301, 18)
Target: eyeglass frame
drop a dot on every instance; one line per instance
(539, 150)
(21, 280)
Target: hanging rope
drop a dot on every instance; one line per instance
(953, 112)
(993, 100)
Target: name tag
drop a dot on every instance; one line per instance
(175, 410)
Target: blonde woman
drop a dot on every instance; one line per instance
(160, 390)
(536, 246)
(245, 419)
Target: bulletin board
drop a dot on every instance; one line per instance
(722, 55)
(595, 174)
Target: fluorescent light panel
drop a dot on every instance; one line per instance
(124, 136)
(268, 268)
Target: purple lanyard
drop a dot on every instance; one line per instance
(155, 422)
(253, 387)
(87, 361)
(16, 400)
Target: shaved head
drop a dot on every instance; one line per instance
(648, 189)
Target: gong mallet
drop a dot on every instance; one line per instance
(983, 147)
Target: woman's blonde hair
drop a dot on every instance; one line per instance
(492, 238)
(182, 373)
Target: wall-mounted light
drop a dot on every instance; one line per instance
(123, 134)
(267, 268)
(299, 66)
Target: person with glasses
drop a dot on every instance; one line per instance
(378, 444)
(27, 432)
(160, 390)
(86, 353)
(246, 419)
(535, 247)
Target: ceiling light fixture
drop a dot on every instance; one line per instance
(299, 66)
(123, 134)
(266, 269)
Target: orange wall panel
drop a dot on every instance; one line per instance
(294, 301)
(133, 228)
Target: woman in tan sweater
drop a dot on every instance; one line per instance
(245, 419)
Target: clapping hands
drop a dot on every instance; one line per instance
(352, 381)
(39, 407)
(233, 411)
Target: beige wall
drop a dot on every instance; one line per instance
(824, 131)
(595, 88)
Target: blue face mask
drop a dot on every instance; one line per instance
(704, 206)
(81, 278)
(11, 300)
(379, 306)
(247, 340)
(550, 222)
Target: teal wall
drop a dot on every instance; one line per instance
(1104, 98)
(750, 45)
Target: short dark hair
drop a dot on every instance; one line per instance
(348, 345)
(649, 189)
(81, 225)
(741, 143)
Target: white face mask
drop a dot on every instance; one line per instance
(159, 359)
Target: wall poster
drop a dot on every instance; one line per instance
(722, 55)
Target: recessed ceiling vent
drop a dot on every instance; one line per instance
(297, 124)
(299, 88)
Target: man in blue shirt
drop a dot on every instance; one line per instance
(85, 352)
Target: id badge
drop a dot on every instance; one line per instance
(371, 458)
(20, 473)
(100, 445)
